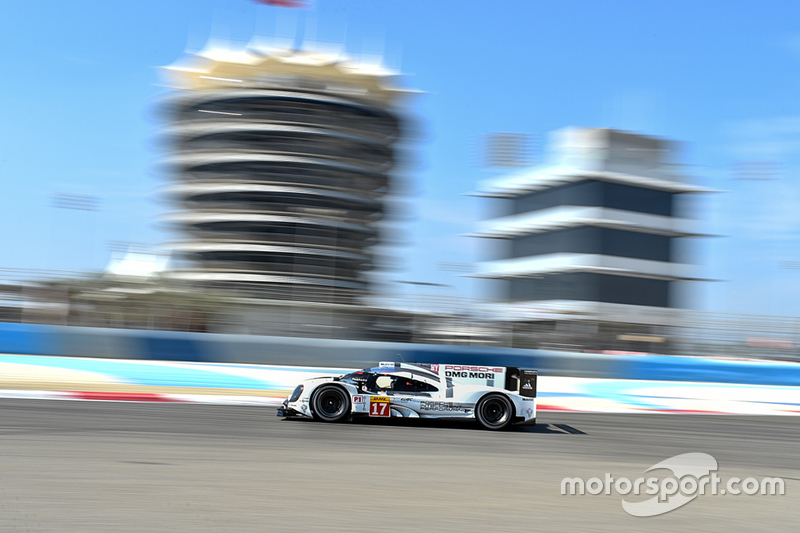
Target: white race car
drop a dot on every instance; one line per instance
(495, 396)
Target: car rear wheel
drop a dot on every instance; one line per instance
(330, 404)
(494, 411)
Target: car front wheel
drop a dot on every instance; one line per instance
(330, 404)
(494, 411)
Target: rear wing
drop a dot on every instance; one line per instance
(522, 380)
(527, 382)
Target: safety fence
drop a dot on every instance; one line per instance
(101, 301)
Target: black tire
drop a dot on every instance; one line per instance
(495, 412)
(330, 403)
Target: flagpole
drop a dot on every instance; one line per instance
(301, 23)
(301, 31)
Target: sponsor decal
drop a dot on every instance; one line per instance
(445, 406)
(528, 383)
(475, 375)
(435, 368)
(460, 368)
(379, 406)
(472, 372)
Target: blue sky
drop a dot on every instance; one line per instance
(80, 86)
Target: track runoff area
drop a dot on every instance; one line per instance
(133, 466)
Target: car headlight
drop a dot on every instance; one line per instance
(296, 393)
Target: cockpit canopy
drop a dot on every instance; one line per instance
(383, 380)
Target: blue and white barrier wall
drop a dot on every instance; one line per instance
(147, 345)
(47, 377)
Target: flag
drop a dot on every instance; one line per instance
(282, 3)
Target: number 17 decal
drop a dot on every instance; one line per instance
(379, 406)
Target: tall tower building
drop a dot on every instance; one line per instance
(279, 164)
(593, 232)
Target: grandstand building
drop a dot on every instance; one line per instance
(592, 233)
(279, 164)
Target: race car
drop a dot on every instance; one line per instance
(496, 397)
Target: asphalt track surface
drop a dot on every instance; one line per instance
(117, 467)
